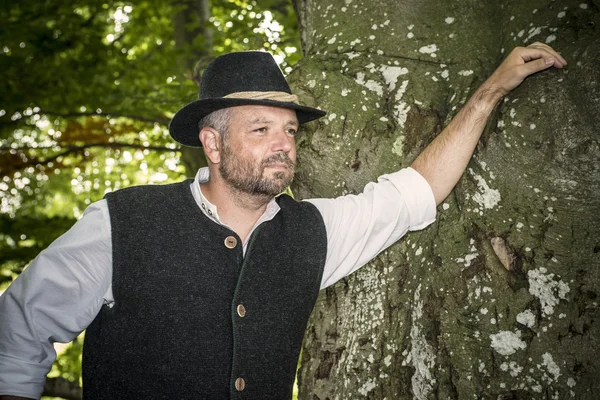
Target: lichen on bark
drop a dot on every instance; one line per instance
(498, 298)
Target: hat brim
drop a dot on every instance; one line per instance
(184, 125)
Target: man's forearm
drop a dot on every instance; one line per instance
(444, 160)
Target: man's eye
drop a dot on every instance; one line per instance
(292, 132)
(261, 130)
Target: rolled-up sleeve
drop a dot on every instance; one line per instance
(361, 226)
(55, 298)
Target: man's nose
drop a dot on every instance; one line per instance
(282, 141)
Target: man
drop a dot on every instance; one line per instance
(202, 289)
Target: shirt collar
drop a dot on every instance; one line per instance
(210, 210)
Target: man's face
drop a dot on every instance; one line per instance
(258, 154)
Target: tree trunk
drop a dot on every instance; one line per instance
(194, 40)
(499, 298)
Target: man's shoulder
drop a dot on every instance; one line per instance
(286, 201)
(150, 197)
(291, 206)
(150, 190)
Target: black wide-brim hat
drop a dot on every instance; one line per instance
(237, 79)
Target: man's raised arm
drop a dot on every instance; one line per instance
(443, 162)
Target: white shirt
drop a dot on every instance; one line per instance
(60, 293)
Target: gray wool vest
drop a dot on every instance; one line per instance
(176, 330)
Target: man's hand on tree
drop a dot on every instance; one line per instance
(519, 64)
(445, 159)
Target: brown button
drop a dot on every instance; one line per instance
(230, 242)
(241, 310)
(240, 384)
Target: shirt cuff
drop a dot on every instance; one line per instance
(21, 378)
(417, 195)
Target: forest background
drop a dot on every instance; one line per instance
(87, 93)
(498, 298)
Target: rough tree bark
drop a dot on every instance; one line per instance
(196, 49)
(499, 298)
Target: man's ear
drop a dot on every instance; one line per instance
(211, 142)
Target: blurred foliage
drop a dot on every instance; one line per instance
(68, 365)
(87, 91)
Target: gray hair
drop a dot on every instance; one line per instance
(218, 120)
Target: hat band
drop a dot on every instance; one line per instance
(276, 96)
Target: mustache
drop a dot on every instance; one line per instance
(280, 158)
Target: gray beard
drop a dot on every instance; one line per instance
(248, 178)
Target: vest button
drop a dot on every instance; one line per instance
(240, 384)
(230, 242)
(241, 310)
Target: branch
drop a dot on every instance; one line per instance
(99, 144)
(158, 120)
(75, 149)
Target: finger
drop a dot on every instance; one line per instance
(560, 62)
(529, 54)
(550, 50)
(539, 64)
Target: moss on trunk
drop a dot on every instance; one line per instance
(497, 299)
